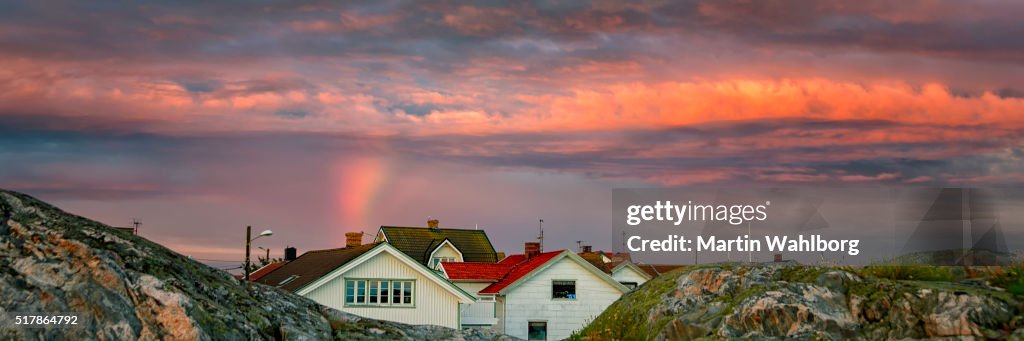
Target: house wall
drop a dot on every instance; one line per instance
(448, 251)
(627, 274)
(434, 304)
(473, 312)
(531, 301)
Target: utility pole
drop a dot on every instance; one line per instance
(579, 246)
(248, 242)
(136, 223)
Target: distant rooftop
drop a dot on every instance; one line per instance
(418, 242)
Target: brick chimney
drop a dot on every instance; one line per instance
(353, 239)
(289, 254)
(433, 223)
(531, 249)
(588, 249)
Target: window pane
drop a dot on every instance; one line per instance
(537, 331)
(350, 291)
(373, 292)
(396, 292)
(407, 293)
(563, 289)
(384, 292)
(360, 291)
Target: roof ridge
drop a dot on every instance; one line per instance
(431, 228)
(527, 260)
(342, 248)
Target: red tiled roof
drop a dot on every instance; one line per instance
(266, 269)
(476, 271)
(513, 259)
(519, 270)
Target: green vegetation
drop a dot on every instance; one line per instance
(641, 315)
(626, 319)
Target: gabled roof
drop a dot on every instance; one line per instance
(520, 270)
(419, 242)
(315, 268)
(462, 271)
(629, 265)
(311, 266)
(513, 259)
(264, 270)
(657, 269)
(596, 259)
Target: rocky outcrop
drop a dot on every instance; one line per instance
(797, 302)
(124, 287)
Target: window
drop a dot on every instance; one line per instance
(630, 285)
(379, 292)
(437, 261)
(537, 331)
(563, 289)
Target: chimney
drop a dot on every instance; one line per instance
(588, 249)
(289, 254)
(532, 249)
(433, 223)
(353, 239)
(778, 257)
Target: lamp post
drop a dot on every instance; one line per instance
(248, 244)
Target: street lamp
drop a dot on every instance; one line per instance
(248, 244)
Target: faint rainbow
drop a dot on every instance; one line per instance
(360, 182)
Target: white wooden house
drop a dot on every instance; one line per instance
(375, 281)
(629, 275)
(537, 296)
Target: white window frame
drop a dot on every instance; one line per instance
(575, 293)
(366, 298)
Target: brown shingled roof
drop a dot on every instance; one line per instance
(311, 266)
(418, 242)
(595, 259)
(657, 269)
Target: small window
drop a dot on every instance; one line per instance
(537, 331)
(630, 285)
(436, 261)
(563, 289)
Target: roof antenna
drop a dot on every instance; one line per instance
(541, 236)
(136, 223)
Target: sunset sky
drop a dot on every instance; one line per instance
(314, 119)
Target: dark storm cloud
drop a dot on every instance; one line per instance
(451, 31)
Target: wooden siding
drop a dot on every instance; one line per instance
(531, 301)
(433, 304)
(447, 250)
(628, 274)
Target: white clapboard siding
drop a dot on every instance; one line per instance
(479, 313)
(531, 301)
(447, 250)
(628, 274)
(434, 305)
